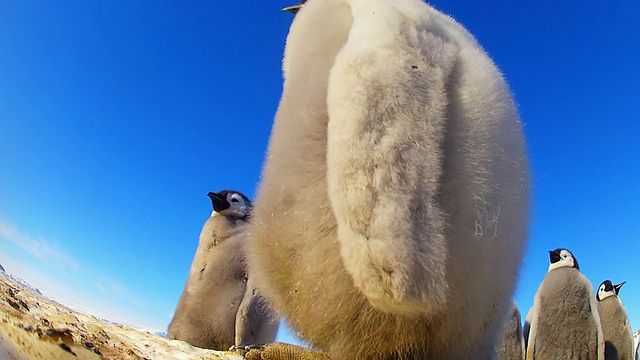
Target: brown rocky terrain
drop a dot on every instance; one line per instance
(34, 327)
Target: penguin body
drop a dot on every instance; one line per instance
(511, 346)
(564, 321)
(616, 329)
(393, 207)
(219, 306)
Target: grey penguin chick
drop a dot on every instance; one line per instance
(511, 345)
(219, 306)
(616, 329)
(564, 321)
(393, 207)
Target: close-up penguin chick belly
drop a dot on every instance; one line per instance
(392, 213)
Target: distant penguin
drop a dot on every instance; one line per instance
(616, 329)
(511, 345)
(393, 208)
(564, 321)
(220, 306)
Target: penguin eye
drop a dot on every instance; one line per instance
(234, 200)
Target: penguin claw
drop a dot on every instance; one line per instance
(244, 349)
(247, 347)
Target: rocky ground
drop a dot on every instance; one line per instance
(34, 327)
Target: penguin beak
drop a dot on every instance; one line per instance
(554, 256)
(294, 8)
(219, 203)
(617, 287)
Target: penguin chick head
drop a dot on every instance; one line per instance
(230, 203)
(605, 290)
(562, 258)
(294, 8)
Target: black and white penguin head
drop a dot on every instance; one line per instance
(294, 8)
(607, 289)
(230, 203)
(562, 258)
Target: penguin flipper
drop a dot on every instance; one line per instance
(255, 322)
(387, 108)
(526, 329)
(593, 305)
(530, 328)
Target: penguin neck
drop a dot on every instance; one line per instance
(559, 265)
(231, 216)
(606, 295)
(224, 227)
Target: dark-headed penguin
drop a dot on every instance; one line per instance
(616, 329)
(220, 306)
(563, 322)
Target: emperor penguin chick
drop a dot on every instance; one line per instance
(220, 306)
(511, 345)
(564, 321)
(393, 207)
(616, 329)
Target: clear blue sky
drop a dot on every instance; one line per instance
(117, 117)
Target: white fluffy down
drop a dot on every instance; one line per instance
(396, 185)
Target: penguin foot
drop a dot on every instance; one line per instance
(244, 349)
(281, 351)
